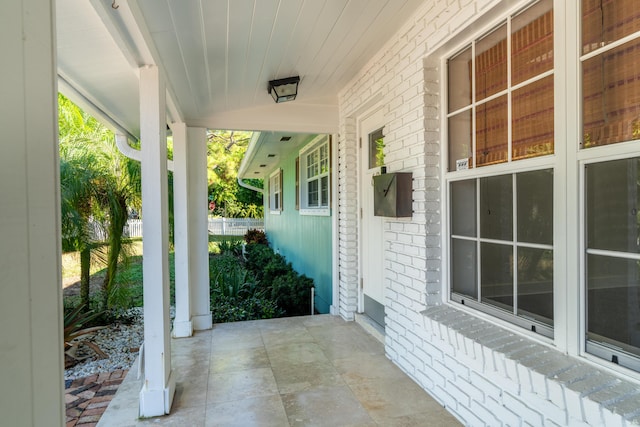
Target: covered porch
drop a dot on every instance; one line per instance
(298, 371)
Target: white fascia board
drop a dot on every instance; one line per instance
(129, 31)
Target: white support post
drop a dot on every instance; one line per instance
(182, 325)
(199, 229)
(31, 363)
(158, 389)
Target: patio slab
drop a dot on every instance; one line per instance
(302, 371)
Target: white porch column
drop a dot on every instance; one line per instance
(159, 385)
(31, 364)
(191, 230)
(182, 326)
(199, 229)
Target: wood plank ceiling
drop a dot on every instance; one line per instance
(218, 55)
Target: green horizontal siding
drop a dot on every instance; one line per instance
(304, 240)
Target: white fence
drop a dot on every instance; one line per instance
(133, 228)
(234, 226)
(99, 233)
(217, 226)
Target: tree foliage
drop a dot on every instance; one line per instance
(98, 185)
(225, 150)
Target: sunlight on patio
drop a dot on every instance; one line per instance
(297, 371)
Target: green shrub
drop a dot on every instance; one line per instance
(276, 267)
(228, 278)
(230, 246)
(229, 309)
(292, 293)
(257, 258)
(267, 285)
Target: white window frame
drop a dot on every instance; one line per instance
(568, 162)
(511, 167)
(581, 157)
(315, 146)
(275, 192)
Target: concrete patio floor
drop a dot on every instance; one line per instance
(298, 371)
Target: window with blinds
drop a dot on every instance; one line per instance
(610, 72)
(501, 93)
(500, 111)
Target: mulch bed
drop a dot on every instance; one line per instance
(87, 398)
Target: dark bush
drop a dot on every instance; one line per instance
(276, 267)
(257, 258)
(292, 293)
(256, 236)
(268, 278)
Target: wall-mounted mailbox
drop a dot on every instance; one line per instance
(392, 194)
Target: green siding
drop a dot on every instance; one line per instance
(304, 240)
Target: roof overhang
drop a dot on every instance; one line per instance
(218, 57)
(267, 150)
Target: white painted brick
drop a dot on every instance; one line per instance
(470, 417)
(557, 383)
(405, 362)
(506, 415)
(511, 369)
(613, 419)
(548, 409)
(577, 392)
(444, 369)
(424, 380)
(487, 417)
(632, 421)
(488, 348)
(435, 376)
(519, 407)
(605, 400)
(542, 375)
(525, 358)
(489, 388)
(627, 407)
(448, 400)
(460, 370)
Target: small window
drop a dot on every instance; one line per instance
(315, 167)
(275, 192)
(376, 149)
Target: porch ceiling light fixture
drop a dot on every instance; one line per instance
(284, 90)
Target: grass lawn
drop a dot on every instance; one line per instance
(129, 275)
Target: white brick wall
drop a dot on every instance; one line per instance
(483, 374)
(479, 368)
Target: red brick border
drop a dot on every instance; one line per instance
(87, 398)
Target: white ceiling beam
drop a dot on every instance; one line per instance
(286, 117)
(124, 21)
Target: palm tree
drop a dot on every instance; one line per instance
(98, 184)
(78, 178)
(119, 191)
